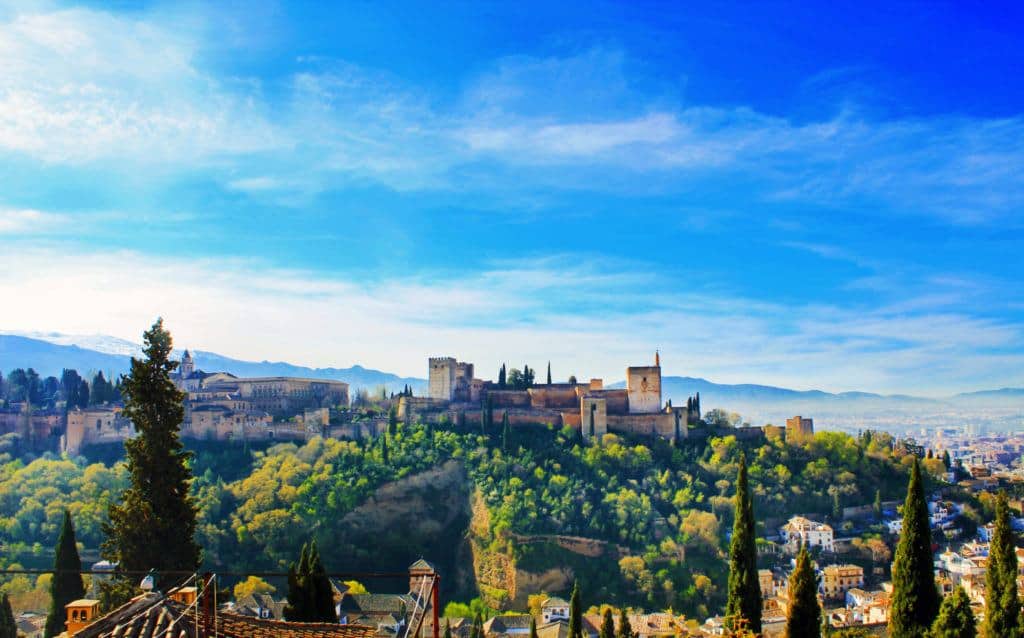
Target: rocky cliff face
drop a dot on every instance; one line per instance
(415, 517)
(420, 515)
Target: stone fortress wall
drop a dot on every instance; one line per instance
(588, 407)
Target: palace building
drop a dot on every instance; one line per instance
(455, 392)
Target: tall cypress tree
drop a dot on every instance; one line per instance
(625, 630)
(575, 613)
(744, 600)
(322, 594)
(915, 598)
(803, 618)
(154, 524)
(607, 624)
(299, 604)
(505, 432)
(66, 585)
(1002, 606)
(956, 620)
(533, 628)
(448, 629)
(501, 377)
(8, 626)
(477, 630)
(549, 373)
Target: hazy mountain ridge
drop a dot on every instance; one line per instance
(50, 358)
(48, 353)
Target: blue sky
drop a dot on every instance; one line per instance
(798, 195)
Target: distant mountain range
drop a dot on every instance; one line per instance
(48, 353)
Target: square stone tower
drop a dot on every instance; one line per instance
(593, 417)
(643, 387)
(442, 378)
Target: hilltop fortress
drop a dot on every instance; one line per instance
(455, 393)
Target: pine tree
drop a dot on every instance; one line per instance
(575, 613)
(549, 373)
(946, 460)
(99, 389)
(956, 620)
(915, 598)
(8, 626)
(744, 587)
(154, 524)
(607, 625)
(803, 619)
(625, 630)
(1002, 606)
(66, 585)
(501, 377)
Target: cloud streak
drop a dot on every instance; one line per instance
(84, 86)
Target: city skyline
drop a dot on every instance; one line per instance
(834, 207)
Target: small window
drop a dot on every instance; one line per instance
(98, 424)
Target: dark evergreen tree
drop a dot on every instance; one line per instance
(915, 598)
(1002, 605)
(946, 460)
(83, 394)
(744, 601)
(310, 595)
(501, 377)
(153, 526)
(505, 432)
(607, 624)
(385, 456)
(625, 630)
(100, 390)
(66, 585)
(877, 507)
(448, 629)
(322, 595)
(299, 603)
(533, 627)
(803, 618)
(549, 373)
(477, 629)
(575, 613)
(8, 626)
(393, 420)
(956, 620)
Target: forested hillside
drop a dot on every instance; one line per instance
(504, 514)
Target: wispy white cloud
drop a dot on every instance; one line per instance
(87, 86)
(30, 222)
